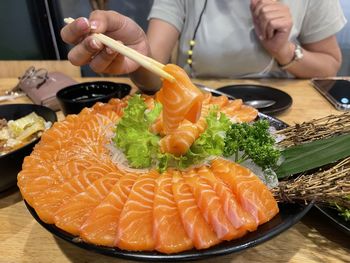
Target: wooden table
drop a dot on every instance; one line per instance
(313, 239)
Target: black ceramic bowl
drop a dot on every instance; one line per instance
(73, 99)
(11, 163)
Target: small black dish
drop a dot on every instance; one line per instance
(73, 99)
(258, 92)
(11, 163)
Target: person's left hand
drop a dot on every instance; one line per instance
(273, 23)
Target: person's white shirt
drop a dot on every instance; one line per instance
(226, 43)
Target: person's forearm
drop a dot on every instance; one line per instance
(313, 63)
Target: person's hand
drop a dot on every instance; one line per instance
(101, 59)
(273, 23)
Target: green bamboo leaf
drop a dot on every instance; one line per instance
(304, 157)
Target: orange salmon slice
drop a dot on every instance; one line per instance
(169, 232)
(246, 114)
(181, 99)
(196, 227)
(211, 207)
(101, 226)
(135, 229)
(221, 101)
(179, 141)
(72, 214)
(48, 202)
(238, 217)
(251, 192)
(36, 179)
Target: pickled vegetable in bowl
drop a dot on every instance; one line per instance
(21, 128)
(16, 133)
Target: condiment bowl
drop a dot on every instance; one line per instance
(11, 162)
(74, 98)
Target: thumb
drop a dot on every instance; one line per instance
(253, 3)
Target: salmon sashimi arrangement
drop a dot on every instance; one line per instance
(74, 178)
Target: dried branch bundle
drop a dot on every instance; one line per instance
(315, 130)
(325, 187)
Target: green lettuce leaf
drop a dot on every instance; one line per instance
(133, 137)
(141, 147)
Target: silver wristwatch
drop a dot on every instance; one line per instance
(298, 55)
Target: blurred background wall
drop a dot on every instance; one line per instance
(30, 28)
(25, 31)
(136, 9)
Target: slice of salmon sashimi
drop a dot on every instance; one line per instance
(72, 214)
(211, 207)
(197, 228)
(135, 229)
(101, 226)
(181, 99)
(185, 109)
(252, 193)
(169, 232)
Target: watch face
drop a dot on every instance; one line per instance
(298, 53)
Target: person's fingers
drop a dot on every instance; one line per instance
(253, 4)
(257, 28)
(261, 6)
(267, 25)
(75, 31)
(270, 31)
(117, 66)
(103, 60)
(265, 12)
(99, 23)
(267, 8)
(121, 65)
(257, 14)
(116, 25)
(106, 21)
(279, 25)
(82, 53)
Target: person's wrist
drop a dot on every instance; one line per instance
(285, 54)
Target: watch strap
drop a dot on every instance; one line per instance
(298, 55)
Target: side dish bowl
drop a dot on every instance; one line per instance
(74, 98)
(11, 162)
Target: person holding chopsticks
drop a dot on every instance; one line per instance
(238, 39)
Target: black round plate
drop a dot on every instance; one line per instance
(258, 92)
(334, 216)
(289, 215)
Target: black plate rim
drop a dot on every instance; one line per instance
(335, 220)
(268, 110)
(192, 254)
(183, 256)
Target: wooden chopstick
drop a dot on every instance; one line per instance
(146, 62)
